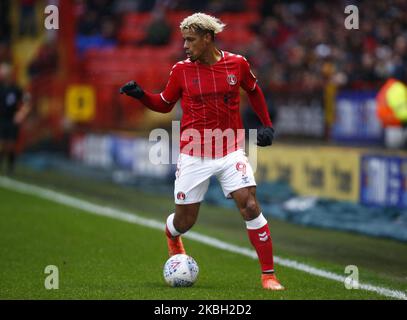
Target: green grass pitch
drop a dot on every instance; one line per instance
(103, 258)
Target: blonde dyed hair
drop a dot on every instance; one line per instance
(204, 22)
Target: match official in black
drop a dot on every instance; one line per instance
(14, 108)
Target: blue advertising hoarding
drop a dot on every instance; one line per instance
(355, 119)
(123, 152)
(383, 181)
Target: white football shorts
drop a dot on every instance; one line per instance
(193, 175)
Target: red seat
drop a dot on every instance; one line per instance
(175, 17)
(133, 27)
(137, 18)
(243, 19)
(131, 35)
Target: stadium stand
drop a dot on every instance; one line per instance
(299, 45)
(320, 80)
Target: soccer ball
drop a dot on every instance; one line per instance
(180, 270)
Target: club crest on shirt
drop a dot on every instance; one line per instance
(181, 195)
(232, 80)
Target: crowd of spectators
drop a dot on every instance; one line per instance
(102, 18)
(301, 44)
(293, 44)
(305, 44)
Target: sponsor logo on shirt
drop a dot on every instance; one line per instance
(227, 97)
(195, 82)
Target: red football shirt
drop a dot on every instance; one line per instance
(210, 100)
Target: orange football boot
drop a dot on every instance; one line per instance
(270, 282)
(175, 245)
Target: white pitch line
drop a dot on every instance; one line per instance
(132, 218)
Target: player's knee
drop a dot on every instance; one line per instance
(250, 210)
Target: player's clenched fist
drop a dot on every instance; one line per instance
(265, 136)
(132, 89)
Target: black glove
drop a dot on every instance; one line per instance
(265, 136)
(132, 89)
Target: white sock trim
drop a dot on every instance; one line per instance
(256, 223)
(268, 271)
(170, 225)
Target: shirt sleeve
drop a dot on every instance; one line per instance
(248, 80)
(173, 89)
(259, 105)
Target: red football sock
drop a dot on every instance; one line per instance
(261, 241)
